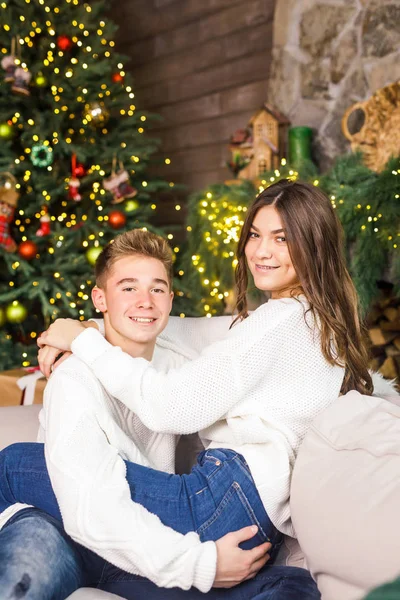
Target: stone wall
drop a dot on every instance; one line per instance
(328, 55)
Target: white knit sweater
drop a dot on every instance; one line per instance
(87, 435)
(256, 390)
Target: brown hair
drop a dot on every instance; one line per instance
(133, 242)
(315, 243)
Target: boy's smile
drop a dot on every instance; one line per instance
(136, 301)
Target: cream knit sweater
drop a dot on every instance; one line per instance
(256, 390)
(87, 434)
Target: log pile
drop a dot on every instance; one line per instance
(383, 323)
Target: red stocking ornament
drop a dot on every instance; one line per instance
(73, 189)
(74, 183)
(44, 228)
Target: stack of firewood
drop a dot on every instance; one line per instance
(383, 324)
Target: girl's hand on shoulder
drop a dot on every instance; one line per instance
(57, 339)
(61, 334)
(47, 358)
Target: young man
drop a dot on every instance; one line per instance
(87, 435)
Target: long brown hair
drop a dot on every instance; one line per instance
(315, 243)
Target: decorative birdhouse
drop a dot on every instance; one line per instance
(261, 146)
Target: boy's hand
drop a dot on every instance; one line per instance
(234, 565)
(56, 340)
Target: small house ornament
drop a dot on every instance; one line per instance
(261, 146)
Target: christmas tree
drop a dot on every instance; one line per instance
(73, 163)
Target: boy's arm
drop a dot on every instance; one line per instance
(88, 477)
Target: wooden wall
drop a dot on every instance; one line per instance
(203, 65)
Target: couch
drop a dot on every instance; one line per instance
(20, 424)
(344, 497)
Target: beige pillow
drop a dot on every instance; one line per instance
(345, 496)
(19, 424)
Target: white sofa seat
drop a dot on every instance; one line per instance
(20, 424)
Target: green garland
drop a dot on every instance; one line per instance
(368, 205)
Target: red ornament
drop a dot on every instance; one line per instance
(27, 250)
(64, 43)
(116, 219)
(80, 170)
(117, 78)
(44, 228)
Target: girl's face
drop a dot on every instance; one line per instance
(267, 255)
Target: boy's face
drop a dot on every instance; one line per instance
(136, 301)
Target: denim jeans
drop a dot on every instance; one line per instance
(217, 497)
(39, 561)
(32, 538)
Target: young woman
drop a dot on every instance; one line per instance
(254, 393)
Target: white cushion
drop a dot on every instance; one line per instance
(18, 424)
(345, 496)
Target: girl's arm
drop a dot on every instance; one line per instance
(196, 395)
(187, 337)
(191, 333)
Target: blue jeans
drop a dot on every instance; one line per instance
(39, 561)
(24, 478)
(217, 497)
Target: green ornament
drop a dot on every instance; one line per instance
(131, 205)
(41, 81)
(6, 131)
(41, 155)
(92, 254)
(16, 312)
(2, 316)
(299, 145)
